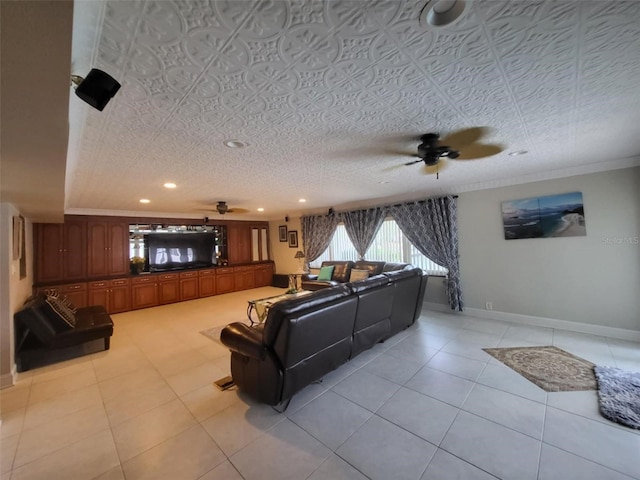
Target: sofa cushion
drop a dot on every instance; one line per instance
(358, 275)
(374, 268)
(341, 271)
(325, 273)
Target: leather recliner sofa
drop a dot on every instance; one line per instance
(304, 338)
(342, 272)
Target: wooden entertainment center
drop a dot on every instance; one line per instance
(86, 258)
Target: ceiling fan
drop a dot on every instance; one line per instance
(223, 208)
(459, 145)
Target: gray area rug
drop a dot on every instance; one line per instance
(550, 368)
(619, 395)
(213, 333)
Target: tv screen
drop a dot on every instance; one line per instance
(178, 251)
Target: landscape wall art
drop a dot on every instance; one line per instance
(541, 217)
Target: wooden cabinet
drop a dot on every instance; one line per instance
(168, 288)
(239, 242)
(144, 292)
(115, 295)
(188, 285)
(60, 251)
(244, 278)
(207, 282)
(263, 274)
(108, 248)
(224, 280)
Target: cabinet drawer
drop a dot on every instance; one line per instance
(99, 284)
(121, 282)
(224, 270)
(73, 288)
(246, 268)
(167, 276)
(206, 273)
(188, 274)
(142, 280)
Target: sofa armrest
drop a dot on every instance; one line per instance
(309, 276)
(243, 339)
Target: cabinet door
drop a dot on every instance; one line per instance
(188, 285)
(206, 283)
(119, 296)
(76, 293)
(168, 288)
(75, 250)
(224, 283)
(264, 275)
(98, 294)
(49, 252)
(239, 243)
(118, 248)
(107, 249)
(144, 293)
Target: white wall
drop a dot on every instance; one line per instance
(13, 291)
(281, 253)
(593, 279)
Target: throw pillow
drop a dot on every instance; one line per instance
(62, 307)
(326, 273)
(358, 275)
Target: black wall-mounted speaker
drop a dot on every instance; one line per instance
(97, 88)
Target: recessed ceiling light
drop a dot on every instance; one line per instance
(145, 200)
(518, 152)
(234, 144)
(170, 185)
(384, 182)
(261, 209)
(440, 13)
(302, 200)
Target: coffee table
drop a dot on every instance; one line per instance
(261, 305)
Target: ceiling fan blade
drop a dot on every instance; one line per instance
(472, 152)
(238, 210)
(459, 139)
(414, 161)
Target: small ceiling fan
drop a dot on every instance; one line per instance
(460, 145)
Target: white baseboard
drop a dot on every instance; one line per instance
(601, 330)
(8, 379)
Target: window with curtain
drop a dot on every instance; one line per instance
(389, 245)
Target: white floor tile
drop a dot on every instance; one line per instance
(512, 411)
(556, 463)
(503, 452)
(334, 468)
(423, 416)
(600, 443)
(445, 466)
(394, 369)
(382, 451)
(224, 471)
(366, 389)
(456, 365)
(440, 385)
(331, 418)
(285, 452)
(508, 380)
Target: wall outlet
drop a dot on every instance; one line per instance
(488, 305)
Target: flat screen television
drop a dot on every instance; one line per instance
(179, 251)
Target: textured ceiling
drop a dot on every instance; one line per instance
(323, 92)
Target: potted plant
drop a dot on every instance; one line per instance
(137, 265)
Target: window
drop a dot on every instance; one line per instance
(390, 245)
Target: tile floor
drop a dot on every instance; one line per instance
(426, 404)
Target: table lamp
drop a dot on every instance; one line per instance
(300, 255)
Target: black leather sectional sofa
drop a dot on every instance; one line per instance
(304, 338)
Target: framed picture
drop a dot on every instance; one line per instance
(282, 230)
(293, 239)
(542, 217)
(18, 232)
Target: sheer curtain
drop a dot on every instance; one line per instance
(316, 234)
(432, 227)
(362, 226)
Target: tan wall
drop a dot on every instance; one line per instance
(282, 254)
(13, 290)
